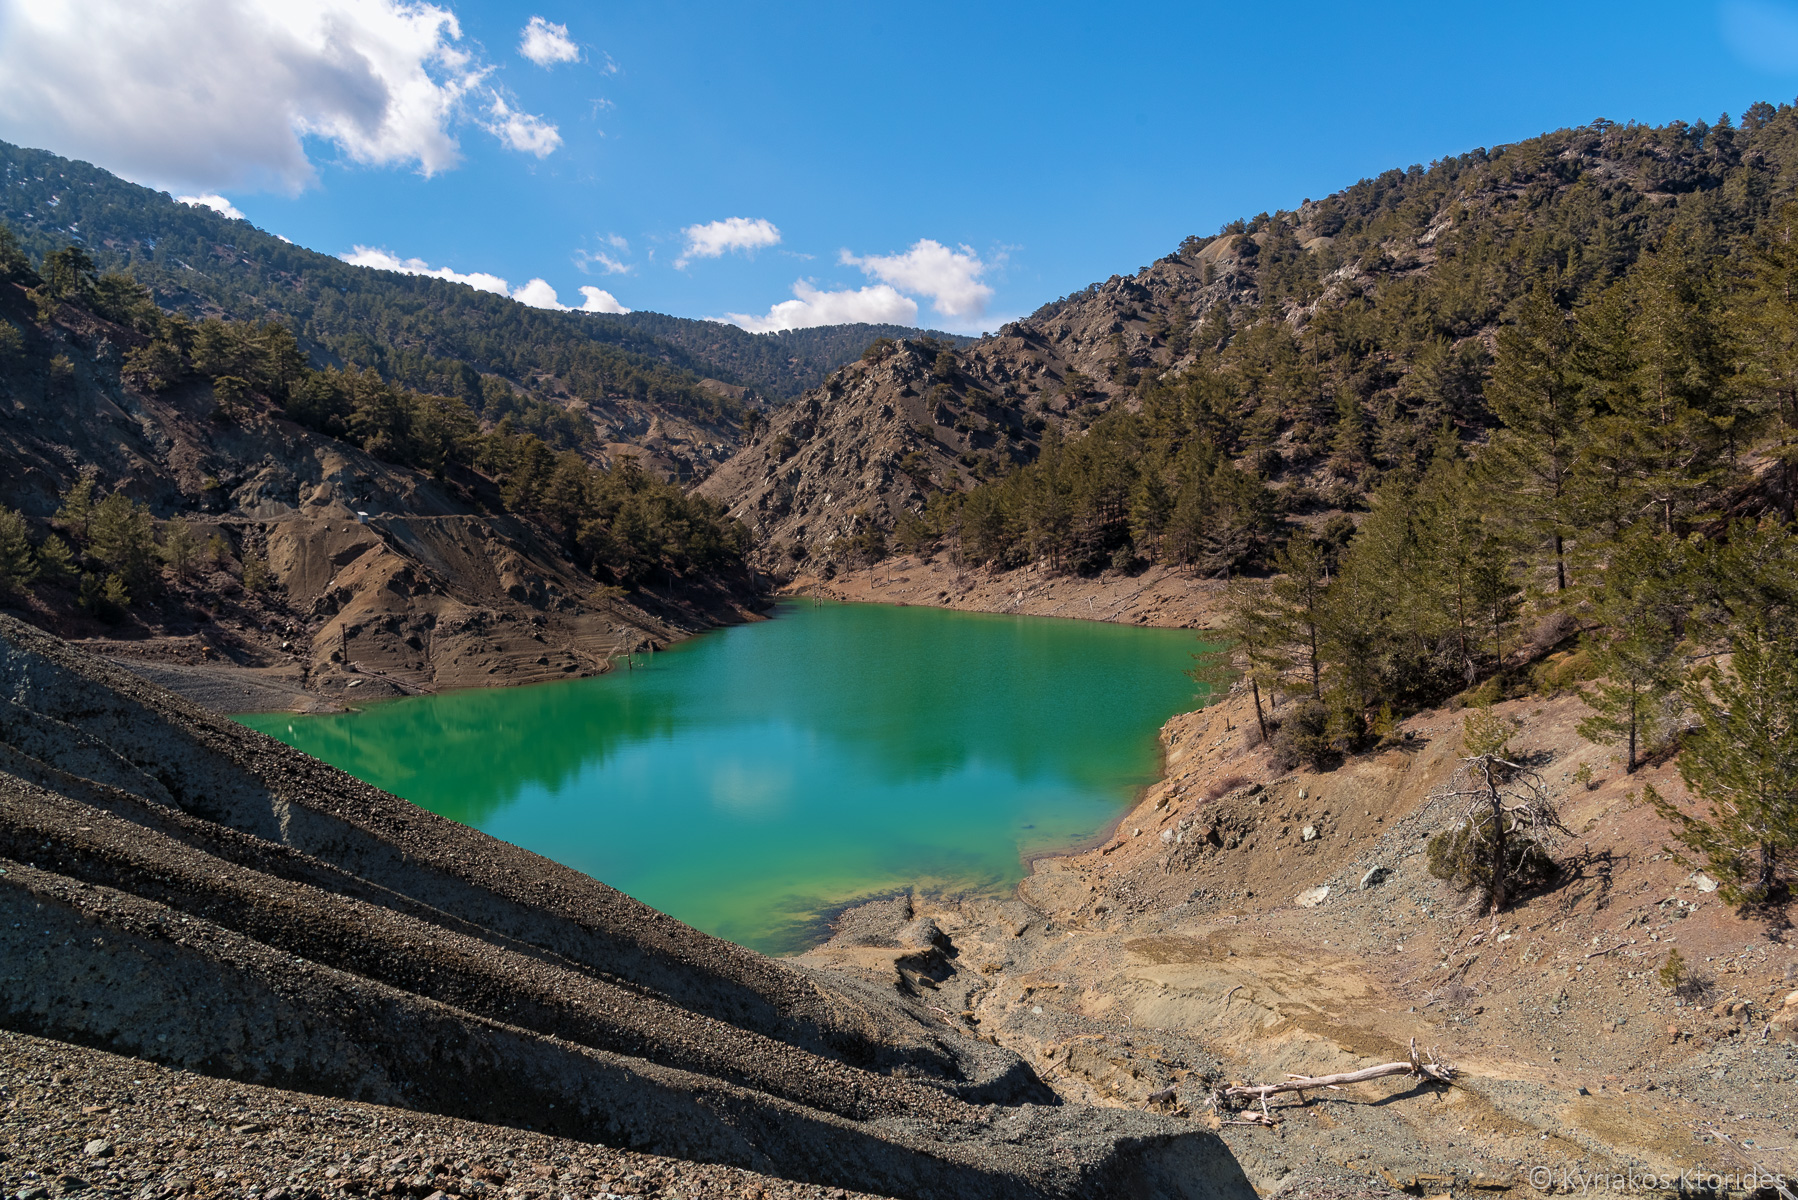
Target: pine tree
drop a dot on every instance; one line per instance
(1536, 394)
(1742, 760)
(55, 561)
(180, 548)
(1678, 383)
(1251, 635)
(76, 513)
(122, 536)
(1638, 655)
(18, 566)
(1455, 532)
(1300, 587)
(1770, 335)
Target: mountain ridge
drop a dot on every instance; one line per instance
(639, 388)
(1317, 349)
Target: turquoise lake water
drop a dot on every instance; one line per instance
(751, 780)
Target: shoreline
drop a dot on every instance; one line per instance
(1157, 597)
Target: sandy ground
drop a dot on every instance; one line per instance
(1158, 596)
(1192, 948)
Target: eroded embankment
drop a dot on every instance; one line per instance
(1242, 923)
(182, 890)
(1158, 596)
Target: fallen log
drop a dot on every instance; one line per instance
(1439, 1071)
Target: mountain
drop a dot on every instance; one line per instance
(1277, 371)
(779, 365)
(199, 502)
(641, 379)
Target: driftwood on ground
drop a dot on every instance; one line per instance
(1441, 1072)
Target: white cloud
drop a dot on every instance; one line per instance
(587, 260)
(717, 238)
(875, 305)
(601, 301)
(520, 130)
(206, 95)
(538, 293)
(950, 278)
(386, 260)
(547, 44)
(217, 204)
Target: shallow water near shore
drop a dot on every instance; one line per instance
(751, 780)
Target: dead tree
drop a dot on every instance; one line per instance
(1498, 845)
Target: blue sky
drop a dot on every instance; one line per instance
(971, 161)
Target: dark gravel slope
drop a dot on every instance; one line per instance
(179, 889)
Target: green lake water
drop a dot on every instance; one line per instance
(751, 780)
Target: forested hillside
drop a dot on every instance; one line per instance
(778, 365)
(1461, 412)
(167, 480)
(636, 379)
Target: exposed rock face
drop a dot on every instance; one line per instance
(179, 889)
(884, 433)
(384, 577)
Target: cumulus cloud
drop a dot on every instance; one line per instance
(217, 204)
(538, 293)
(204, 95)
(717, 238)
(520, 130)
(547, 44)
(386, 260)
(878, 304)
(951, 278)
(601, 301)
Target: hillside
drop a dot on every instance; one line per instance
(1316, 352)
(196, 503)
(190, 893)
(778, 366)
(640, 379)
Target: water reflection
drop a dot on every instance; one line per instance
(748, 779)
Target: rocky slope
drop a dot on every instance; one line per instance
(1391, 289)
(883, 433)
(384, 580)
(178, 889)
(1242, 923)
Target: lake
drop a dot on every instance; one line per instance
(752, 780)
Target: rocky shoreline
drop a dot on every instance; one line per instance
(1241, 923)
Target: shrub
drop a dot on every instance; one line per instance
(1464, 856)
(1303, 737)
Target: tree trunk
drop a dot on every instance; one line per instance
(1631, 768)
(1260, 720)
(1500, 890)
(1560, 564)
